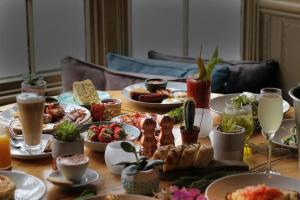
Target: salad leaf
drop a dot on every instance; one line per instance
(213, 61)
(205, 71)
(177, 114)
(291, 139)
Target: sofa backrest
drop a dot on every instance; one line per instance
(102, 77)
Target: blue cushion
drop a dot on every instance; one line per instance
(149, 66)
(220, 76)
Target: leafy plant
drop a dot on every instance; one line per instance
(177, 114)
(142, 163)
(86, 194)
(189, 114)
(201, 182)
(67, 131)
(205, 71)
(229, 125)
(32, 79)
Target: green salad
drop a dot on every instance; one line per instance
(244, 99)
(290, 139)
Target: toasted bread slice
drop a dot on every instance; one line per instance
(7, 188)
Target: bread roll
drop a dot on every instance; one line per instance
(162, 153)
(204, 156)
(173, 158)
(184, 156)
(188, 155)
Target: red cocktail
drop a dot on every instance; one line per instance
(199, 91)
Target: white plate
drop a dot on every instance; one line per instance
(217, 104)
(121, 197)
(21, 153)
(284, 130)
(173, 86)
(27, 187)
(90, 176)
(132, 131)
(8, 115)
(219, 188)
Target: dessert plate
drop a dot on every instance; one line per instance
(284, 130)
(90, 176)
(67, 97)
(21, 153)
(7, 116)
(28, 187)
(219, 188)
(217, 104)
(173, 86)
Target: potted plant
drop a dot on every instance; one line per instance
(66, 140)
(34, 83)
(228, 140)
(141, 176)
(189, 132)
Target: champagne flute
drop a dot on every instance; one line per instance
(270, 116)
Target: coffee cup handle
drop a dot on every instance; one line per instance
(12, 132)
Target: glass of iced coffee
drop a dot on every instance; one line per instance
(31, 109)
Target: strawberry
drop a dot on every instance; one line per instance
(100, 127)
(107, 131)
(113, 126)
(119, 133)
(105, 138)
(93, 128)
(94, 138)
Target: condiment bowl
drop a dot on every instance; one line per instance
(154, 84)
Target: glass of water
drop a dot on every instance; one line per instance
(270, 113)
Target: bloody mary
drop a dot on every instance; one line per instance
(199, 91)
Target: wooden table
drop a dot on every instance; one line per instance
(110, 183)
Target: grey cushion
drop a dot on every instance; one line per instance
(102, 77)
(248, 76)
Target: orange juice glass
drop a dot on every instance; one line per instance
(5, 157)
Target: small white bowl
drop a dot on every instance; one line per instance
(114, 154)
(72, 171)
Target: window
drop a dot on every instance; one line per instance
(165, 26)
(13, 48)
(55, 28)
(58, 31)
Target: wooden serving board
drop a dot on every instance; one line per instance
(215, 165)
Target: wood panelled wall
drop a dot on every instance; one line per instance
(276, 36)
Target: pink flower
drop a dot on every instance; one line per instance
(185, 194)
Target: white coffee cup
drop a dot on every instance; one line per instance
(72, 167)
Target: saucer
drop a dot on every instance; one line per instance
(57, 178)
(21, 153)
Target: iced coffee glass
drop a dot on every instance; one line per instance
(31, 108)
